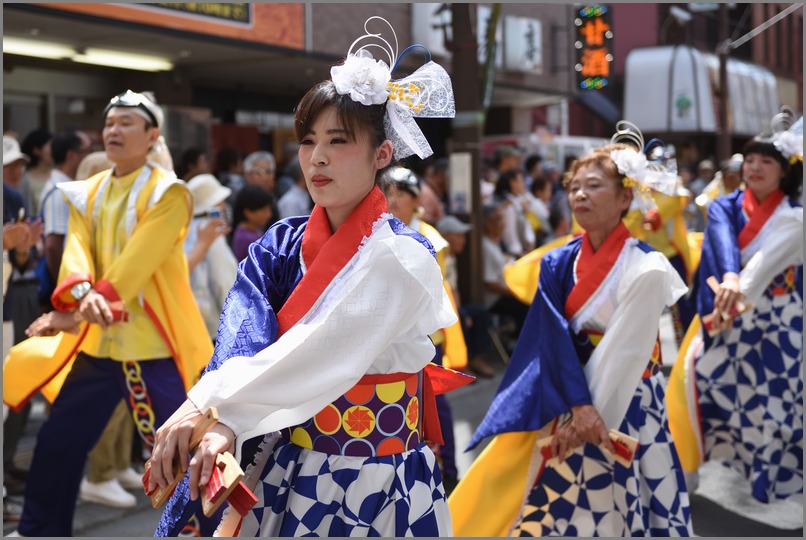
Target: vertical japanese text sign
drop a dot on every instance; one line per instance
(593, 46)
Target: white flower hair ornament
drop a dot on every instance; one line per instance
(426, 93)
(788, 136)
(640, 173)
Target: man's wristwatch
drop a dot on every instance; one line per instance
(80, 290)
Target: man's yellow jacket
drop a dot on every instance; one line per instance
(42, 363)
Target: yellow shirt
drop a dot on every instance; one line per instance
(137, 339)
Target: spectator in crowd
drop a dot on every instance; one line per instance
(68, 150)
(19, 237)
(695, 220)
(540, 204)
(139, 276)
(21, 302)
(435, 189)
(260, 169)
(533, 166)
(36, 145)
(474, 318)
(296, 201)
(229, 167)
(498, 298)
(727, 180)
(193, 162)
(210, 260)
(507, 158)
(251, 215)
(489, 178)
(705, 173)
(518, 235)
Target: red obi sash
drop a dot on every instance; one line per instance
(592, 267)
(325, 253)
(758, 213)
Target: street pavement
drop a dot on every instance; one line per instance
(469, 404)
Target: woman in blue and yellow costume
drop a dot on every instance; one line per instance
(323, 355)
(663, 227)
(736, 390)
(581, 445)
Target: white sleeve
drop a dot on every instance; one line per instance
(618, 362)
(782, 248)
(393, 293)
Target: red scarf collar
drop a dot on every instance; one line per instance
(758, 213)
(325, 253)
(592, 267)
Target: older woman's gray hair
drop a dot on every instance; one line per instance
(260, 155)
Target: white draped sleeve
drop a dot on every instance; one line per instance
(647, 283)
(780, 244)
(375, 317)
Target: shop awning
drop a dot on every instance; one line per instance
(673, 89)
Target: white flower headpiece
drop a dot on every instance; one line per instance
(426, 93)
(644, 175)
(788, 136)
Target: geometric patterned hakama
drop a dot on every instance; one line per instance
(750, 386)
(307, 493)
(590, 494)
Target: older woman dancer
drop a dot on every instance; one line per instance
(588, 365)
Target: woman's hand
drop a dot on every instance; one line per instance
(212, 229)
(219, 439)
(727, 295)
(54, 322)
(564, 440)
(172, 438)
(590, 427)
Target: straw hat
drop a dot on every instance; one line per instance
(207, 192)
(11, 151)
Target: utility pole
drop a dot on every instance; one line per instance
(723, 141)
(467, 131)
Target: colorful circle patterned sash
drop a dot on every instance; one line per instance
(369, 420)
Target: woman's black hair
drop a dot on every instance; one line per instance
(792, 183)
(355, 117)
(250, 197)
(188, 159)
(34, 140)
(504, 184)
(225, 159)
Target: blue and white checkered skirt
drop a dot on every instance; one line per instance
(591, 495)
(750, 386)
(306, 493)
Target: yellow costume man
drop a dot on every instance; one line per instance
(124, 281)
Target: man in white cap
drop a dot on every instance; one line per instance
(124, 281)
(474, 318)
